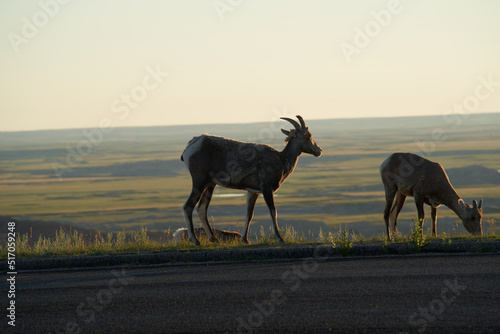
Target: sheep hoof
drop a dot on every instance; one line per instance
(194, 241)
(245, 241)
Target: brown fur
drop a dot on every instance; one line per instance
(256, 168)
(407, 174)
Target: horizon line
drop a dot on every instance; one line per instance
(239, 123)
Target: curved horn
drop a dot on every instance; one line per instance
(302, 123)
(474, 204)
(295, 124)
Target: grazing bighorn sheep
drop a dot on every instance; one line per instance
(407, 174)
(257, 168)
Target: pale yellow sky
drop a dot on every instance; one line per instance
(79, 64)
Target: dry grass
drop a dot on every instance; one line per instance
(73, 243)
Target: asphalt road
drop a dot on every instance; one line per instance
(422, 294)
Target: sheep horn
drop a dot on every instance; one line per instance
(287, 133)
(295, 124)
(302, 123)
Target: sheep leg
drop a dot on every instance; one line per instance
(419, 202)
(193, 198)
(269, 198)
(434, 220)
(251, 199)
(389, 198)
(202, 210)
(396, 209)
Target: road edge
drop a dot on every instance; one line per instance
(259, 253)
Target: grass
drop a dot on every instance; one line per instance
(73, 243)
(341, 240)
(417, 237)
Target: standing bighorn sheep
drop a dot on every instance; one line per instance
(257, 168)
(406, 174)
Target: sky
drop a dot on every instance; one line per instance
(88, 64)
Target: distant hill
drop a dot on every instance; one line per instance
(140, 168)
(334, 126)
(473, 175)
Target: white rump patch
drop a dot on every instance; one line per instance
(193, 147)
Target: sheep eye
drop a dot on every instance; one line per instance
(473, 217)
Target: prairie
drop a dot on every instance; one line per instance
(133, 177)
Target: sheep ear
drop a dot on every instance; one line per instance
(287, 133)
(474, 204)
(462, 204)
(480, 204)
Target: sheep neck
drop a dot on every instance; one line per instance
(290, 156)
(452, 201)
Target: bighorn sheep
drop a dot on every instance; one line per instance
(407, 174)
(257, 168)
